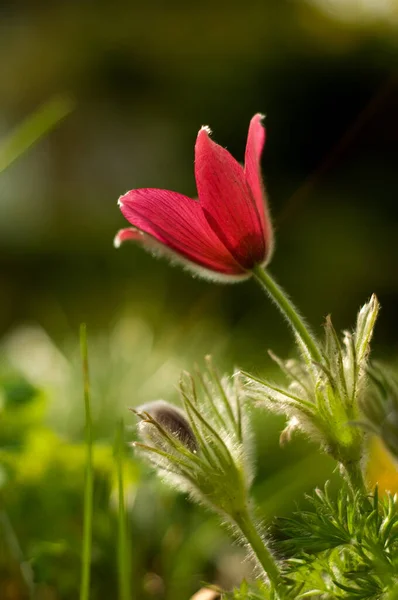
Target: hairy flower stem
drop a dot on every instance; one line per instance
(289, 311)
(354, 476)
(264, 556)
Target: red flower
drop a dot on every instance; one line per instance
(227, 231)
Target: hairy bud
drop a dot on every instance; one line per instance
(322, 398)
(170, 418)
(203, 450)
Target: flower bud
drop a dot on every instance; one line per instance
(322, 399)
(204, 450)
(170, 418)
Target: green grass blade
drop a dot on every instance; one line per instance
(124, 550)
(35, 126)
(88, 484)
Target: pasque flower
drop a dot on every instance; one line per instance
(226, 232)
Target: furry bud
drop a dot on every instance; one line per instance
(170, 418)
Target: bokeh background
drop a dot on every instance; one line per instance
(133, 83)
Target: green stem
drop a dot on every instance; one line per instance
(123, 547)
(88, 484)
(355, 477)
(264, 556)
(289, 311)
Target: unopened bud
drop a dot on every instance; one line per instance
(170, 418)
(202, 450)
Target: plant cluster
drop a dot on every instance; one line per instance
(345, 545)
(342, 545)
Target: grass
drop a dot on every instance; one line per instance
(88, 484)
(124, 554)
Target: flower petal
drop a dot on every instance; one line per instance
(129, 234)
(178, 223)
(254, 148)
(227, 201)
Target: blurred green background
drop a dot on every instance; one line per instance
(133, 83)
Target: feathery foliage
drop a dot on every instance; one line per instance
(345, 547)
